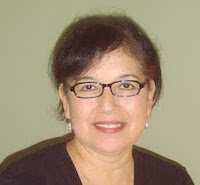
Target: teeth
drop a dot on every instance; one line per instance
(109, 126)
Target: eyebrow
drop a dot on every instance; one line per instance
(84, 78)
(120, 77)
(130, 75)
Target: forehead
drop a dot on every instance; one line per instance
(113, 66)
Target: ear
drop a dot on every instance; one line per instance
(151, 92)
(65, 100)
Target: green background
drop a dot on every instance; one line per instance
(28, 32)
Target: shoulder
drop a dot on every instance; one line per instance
(36, 166)
(33, 167)
(155, 168)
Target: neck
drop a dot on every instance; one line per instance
(87, 160)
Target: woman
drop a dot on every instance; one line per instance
(108, 77)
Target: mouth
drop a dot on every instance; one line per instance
(109, 127)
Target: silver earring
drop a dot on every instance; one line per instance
(69, 125)
(147, 125)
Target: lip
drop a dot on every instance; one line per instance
(109, 127)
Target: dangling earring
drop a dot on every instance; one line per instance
(69, 126)
(146, 125)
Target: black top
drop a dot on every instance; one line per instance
(53, 166)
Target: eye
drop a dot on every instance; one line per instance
(127, 86)
(88, 87)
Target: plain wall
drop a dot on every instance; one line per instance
(28, 32)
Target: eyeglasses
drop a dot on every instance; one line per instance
(123, 88)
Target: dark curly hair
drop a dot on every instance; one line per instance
(93, 36)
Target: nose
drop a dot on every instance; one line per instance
(107, 102)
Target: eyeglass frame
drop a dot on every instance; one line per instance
(72, 88)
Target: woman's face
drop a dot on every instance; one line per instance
(109, 123)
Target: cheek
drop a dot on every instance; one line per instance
(79, 109)
(137, 114)
(137, 109)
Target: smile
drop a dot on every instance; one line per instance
(109, 127)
